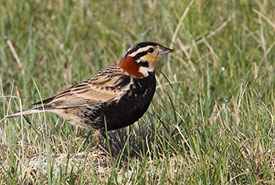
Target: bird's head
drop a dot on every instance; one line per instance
(141, 58)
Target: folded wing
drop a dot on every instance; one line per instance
(103, 87)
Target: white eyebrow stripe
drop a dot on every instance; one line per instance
(140, 50)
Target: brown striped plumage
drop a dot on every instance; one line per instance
(118, 95)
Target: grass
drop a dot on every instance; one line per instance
(212, 117)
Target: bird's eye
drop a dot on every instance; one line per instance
(151, 50)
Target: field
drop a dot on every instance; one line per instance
(212, 117)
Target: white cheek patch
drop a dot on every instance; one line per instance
(145, 70)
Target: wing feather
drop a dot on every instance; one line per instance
(103, 87)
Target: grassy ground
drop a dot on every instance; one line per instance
(212, 117)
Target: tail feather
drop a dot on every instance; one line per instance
(21, 113)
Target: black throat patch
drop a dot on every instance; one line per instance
(143, 63)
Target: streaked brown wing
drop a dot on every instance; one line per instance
(103, 87)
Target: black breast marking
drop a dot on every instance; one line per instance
(127, 110)
(132, 105)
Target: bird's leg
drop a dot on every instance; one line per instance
(98, 143)
(87, 137)
(114, 150)
(96, 137)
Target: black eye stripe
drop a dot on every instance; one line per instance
(141, 54)
(143, 63)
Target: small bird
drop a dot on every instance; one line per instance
(116, 96)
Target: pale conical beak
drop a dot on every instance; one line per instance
(164, 50)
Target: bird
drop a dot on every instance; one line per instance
(115, 97)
